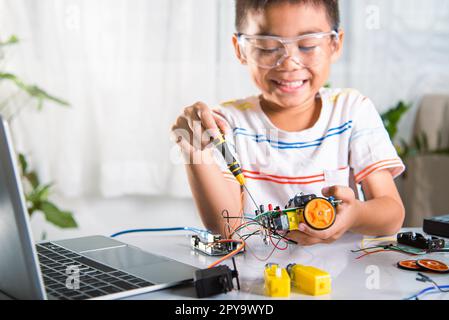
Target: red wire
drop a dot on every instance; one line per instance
(271, 239)
(363, 255)
(381, 250)
(240, 226)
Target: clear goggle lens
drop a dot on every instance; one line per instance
(269, 52)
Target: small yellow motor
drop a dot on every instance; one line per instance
(309, 279)
(277, 281)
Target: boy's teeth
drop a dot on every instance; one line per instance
(290, 83)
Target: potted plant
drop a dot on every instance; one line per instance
(36, 193)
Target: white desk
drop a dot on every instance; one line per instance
(349, 276)
(351, 279)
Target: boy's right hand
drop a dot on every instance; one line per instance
(196, 128)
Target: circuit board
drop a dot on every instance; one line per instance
(212, 245)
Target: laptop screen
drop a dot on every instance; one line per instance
(19, 272)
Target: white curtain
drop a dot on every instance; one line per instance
(129, 67)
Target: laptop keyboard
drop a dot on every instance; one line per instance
(95, 279)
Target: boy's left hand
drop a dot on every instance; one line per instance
(345, 219)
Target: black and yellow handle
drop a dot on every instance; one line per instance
(233, 165)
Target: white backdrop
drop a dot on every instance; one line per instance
(397, 50)
(129, 67)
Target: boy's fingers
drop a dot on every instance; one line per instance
(221, 122)
(328, 191)
(201, 135)
(180, 128)
(191, 117)
(200, 138)
(222, 125)
(182, 138)
(208, 121)
(323, 234)
(339, 192)
(184, 145)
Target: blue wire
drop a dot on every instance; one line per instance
(427, 290)
(201, 232)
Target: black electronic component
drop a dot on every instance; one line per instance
(299, 200)
(417, 240)
(216, 280)
(438, 226)
(281, 222)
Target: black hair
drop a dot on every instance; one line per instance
(242, 7)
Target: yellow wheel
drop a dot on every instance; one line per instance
(319, 214)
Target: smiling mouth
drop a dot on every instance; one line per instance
(289, 86)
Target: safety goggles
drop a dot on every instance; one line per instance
(270, 51)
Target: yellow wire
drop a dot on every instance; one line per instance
(362, 245)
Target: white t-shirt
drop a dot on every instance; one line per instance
(348, 142)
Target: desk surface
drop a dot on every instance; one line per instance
(351, 278)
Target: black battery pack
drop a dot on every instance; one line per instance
(417, 240)
(437, 226)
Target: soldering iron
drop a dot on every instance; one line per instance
(233, 165)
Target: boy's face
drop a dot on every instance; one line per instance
(291, 84)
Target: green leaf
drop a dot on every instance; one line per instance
(33, 179)
(11, 77)
(39, 194)
(33, 197)
(13, 39)
(32, 90)
(41, 95)
(62, 219)
(23, 163)
(31, 210)
(392, 117)
(44, 191)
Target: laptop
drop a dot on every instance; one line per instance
(93, 267)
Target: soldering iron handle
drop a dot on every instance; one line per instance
(223, 148)
(233, 166)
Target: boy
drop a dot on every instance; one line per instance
(296, 136)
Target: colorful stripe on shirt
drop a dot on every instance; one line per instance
(379, 165)
(257, 175)
(262, 176)
(293, 145)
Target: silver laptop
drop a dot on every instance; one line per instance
(95, 267)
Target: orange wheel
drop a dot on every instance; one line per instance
(409, 265)
(319, 214)
(433, 265)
